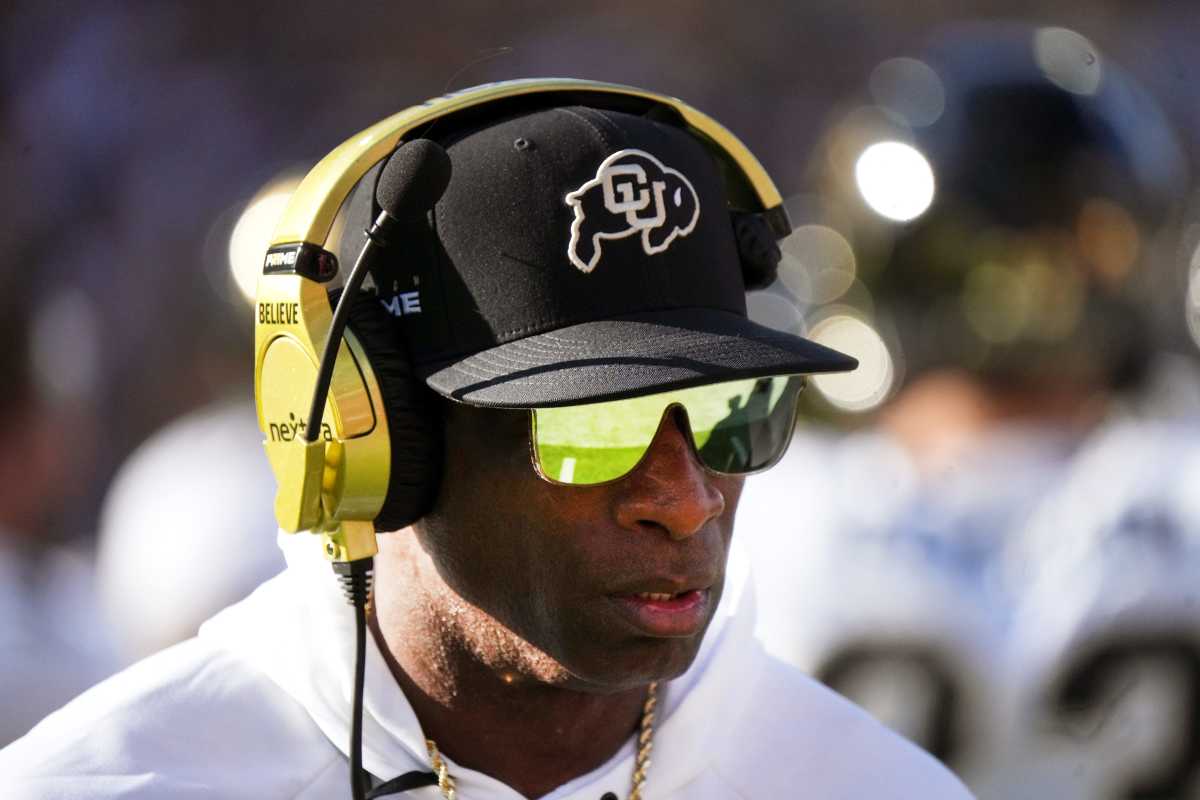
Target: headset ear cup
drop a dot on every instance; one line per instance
(758, 249)
(413, 420)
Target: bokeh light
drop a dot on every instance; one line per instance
(818, 264)
(909, 90)
(866, 387)
(1068, 60)
(252, 233)
(895, 179)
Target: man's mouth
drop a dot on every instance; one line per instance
(666, 614)
(662, 596)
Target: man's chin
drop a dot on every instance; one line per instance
(635, 664)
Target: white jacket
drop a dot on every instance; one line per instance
(258, 706)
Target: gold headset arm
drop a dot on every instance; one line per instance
(318, 489)
(315, 203)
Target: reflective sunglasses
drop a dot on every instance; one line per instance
(736, 427)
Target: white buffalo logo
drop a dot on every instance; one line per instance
(632, 192)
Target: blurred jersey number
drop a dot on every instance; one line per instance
(1091, 685)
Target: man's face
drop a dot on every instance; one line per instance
(612, 584)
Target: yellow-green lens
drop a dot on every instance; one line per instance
(737, 427)
(752, 427)
(596, 442)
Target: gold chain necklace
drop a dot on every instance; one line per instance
(640, 764)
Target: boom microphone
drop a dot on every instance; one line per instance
(411, 183)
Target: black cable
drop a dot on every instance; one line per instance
(360, 647)
(406, 782)
(355, 577)
(329, 355)
(411, 182)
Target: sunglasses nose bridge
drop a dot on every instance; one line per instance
(676, 411)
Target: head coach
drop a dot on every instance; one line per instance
(507, 328)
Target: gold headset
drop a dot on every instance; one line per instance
(336, 484)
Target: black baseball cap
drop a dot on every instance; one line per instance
(579, 255)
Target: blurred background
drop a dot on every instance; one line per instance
(986, 534)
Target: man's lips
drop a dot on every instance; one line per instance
(664, 613)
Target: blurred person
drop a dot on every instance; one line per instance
(206, 473)
(1105, 642)
(555, 490)
(1006, 201)
(53, 644)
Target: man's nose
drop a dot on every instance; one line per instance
(670, 490)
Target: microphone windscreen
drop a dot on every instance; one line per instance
(413, 179)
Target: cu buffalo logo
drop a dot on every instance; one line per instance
(633, 192)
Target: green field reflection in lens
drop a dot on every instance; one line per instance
(737, 426)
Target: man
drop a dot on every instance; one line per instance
(562, 606)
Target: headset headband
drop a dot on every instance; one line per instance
(315, 203)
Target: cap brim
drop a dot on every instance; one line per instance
(630, 355)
